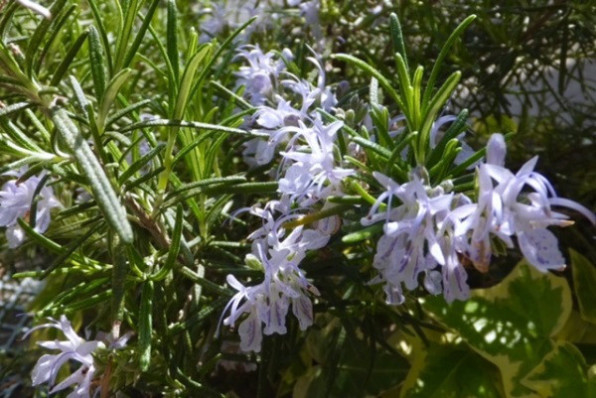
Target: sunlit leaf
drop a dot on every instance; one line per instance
(562, 373)
(510, 324)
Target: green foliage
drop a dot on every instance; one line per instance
(584, 280)
(450, 370)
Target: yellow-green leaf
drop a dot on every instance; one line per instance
(563, 373)
(511, 324)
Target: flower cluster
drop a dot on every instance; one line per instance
(411, 243)
(308, 174)
(506, 209)
(74, 348)
(428, 230)
(278, 255)
(431, 230)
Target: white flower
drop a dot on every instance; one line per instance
(283, 120)
(15, 202)
(496, 150)
(74, 348)
(484, 219)
(284, 115)
(231, 15)
(454, 274)
(514, 205)
(35, 7)
(412, 237)
(310, 12)
(314, 174)
(320, 94)
(265, 306)
(260, 75)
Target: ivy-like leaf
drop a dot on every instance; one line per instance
(584, 282)
(451, 371)
(511, 324)
(563, 373)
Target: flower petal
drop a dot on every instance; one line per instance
(540, 248)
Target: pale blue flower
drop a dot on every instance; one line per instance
(16, 198)
(265, 306)
(74, 348)
(314, 173)
(412, 236)
(514, 205)
(260, 75)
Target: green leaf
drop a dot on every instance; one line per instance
(174, 248)
(130, 13)
(103, 192)
(96, 62)
(511, 324)
(221, 48)
(584, 282)
(432, 108)
(451, 371)
(398, 38)
(139, 164)
(187, 79)
(347, 366)
(140, 34)
(562, 373)
(74, 294)
(444, 51)
(110, 95)
(60, 18)
(381, 150)
(68, 59)
(438, 171)
(6, 17)
(119, 274)
(265, 187)
(192, 125)
(129, 109)
(18, 137)
(578, 331)
(102, 32)
(69, 250)
(38, 125)
(39, 35)
(230, 180)
(89, 302)
(145, 325)
(384, 82)
(456, 128)
(7, 110)
(406, 86)
(172, 37)
(363, 234)
(40, 239)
